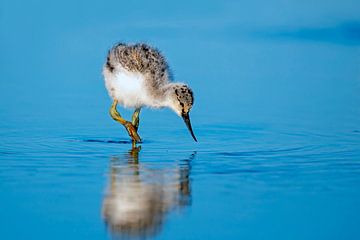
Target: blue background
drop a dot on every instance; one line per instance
(276, 113)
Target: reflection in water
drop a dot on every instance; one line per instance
(139, 195)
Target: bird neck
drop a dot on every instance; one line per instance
(170, 100)
(168, 92)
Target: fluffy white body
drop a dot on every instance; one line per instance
(130, 89)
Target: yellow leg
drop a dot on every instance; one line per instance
(128, 125)
(135, 118)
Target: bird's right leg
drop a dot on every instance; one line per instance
(135, 118)
(128, 125)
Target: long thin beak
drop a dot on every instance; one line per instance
(186, 118)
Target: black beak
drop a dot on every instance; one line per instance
(186, 118)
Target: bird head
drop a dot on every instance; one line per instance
(181, 101)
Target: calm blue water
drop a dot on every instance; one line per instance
(276, 115)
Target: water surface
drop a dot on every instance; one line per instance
(276, 114)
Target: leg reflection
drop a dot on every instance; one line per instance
(140, 195)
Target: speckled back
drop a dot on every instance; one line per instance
(139, 58)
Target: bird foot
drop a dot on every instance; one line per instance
(132, 132)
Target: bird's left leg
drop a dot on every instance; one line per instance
(135, 118)
(128, 125)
